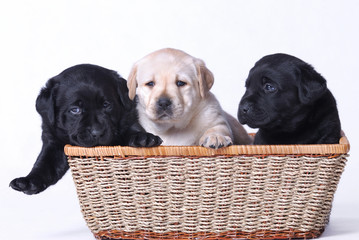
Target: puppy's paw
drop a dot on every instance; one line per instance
(143, 139)
(215, 141)
(28, 185)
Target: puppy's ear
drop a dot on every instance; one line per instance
(122, 91)
(205, 77)
(132, 82)
(45, 102)
(312, 85)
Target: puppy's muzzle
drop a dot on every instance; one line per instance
(91, 136)
(96, 133)
(164, 107)
(244, 108)
(245, 111)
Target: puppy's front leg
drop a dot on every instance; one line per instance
(49, 167)
(217, 137)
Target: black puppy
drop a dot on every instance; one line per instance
(85, 105)
(289, 102)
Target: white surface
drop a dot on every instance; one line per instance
(39, 39)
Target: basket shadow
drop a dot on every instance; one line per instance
(341, 226)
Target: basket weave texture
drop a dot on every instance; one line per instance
(252, 192)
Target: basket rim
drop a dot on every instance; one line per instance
(342, 147)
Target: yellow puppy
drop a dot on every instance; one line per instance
(174, 101)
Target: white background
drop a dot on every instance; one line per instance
(39, 39)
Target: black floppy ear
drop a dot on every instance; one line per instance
(312, 85)
(122, 91)
(45, 104)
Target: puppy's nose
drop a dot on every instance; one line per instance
(95, 132)
(164, 103)
(244, 108)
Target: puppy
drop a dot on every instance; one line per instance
(85, 105)
(289, 102)
(174, 102)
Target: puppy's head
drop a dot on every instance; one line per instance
(169, 84)
(279, 89)
(84, 105)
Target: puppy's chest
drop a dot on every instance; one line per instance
(179, 138)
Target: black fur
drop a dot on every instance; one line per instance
(85, 105)
(289, 102)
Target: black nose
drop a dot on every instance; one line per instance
(96, 133)
(244, 108)
(164, 103)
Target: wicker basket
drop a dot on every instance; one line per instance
(238, 192)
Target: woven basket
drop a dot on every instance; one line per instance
(238, 192)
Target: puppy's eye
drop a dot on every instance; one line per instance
(180, 83)
(106, 104)
(76, 110)
(150, 84)
(269, 88)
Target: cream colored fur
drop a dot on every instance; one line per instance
(195, 116)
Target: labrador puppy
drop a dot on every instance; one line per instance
(174, 101)
(85, 105)
(289, 102)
